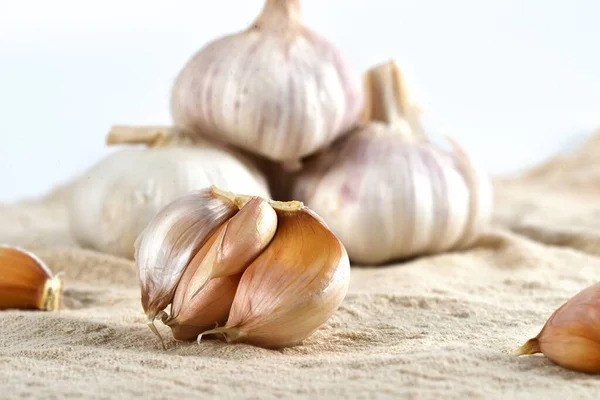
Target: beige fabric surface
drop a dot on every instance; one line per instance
(435, 327)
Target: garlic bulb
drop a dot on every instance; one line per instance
(387, 191)
(274, 265)
(26, 282)
(293, 287)
(571, 336)
(116, 198)
(276, 89)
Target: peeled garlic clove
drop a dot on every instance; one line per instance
(387, 191)
(26, 282)
(276, 89)
(571, 336)
(293, 287)
(115, 199)
(172, 238)
(209, 308)
(228, 252)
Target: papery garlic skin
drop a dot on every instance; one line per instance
(571, 336)
(26, 282)
(115, 199)
(293, 287)
(389, 193)
(276, 89)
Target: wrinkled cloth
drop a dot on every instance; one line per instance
(434, 327)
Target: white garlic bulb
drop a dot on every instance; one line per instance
(275, 89)
(387, 191)
(115, 199)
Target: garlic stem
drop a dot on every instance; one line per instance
(278, 14)
(388, 101)
(153, 136)
(240, 200)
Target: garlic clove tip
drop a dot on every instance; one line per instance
(532, 346)
(230, 333)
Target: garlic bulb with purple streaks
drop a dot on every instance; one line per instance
(387, 191)
(275, 89)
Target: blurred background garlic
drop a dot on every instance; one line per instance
(116, 198)
(387, 191)
(275, 89)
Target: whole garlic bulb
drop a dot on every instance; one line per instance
(116, 198)
(387, 191)
(276, 89)
(272, 272)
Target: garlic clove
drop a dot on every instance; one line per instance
(26, 282)
(571, 336)
(229, 252)
(172, 238)
(293, 287)
(275, 89)
(207, 309)
(181, 297)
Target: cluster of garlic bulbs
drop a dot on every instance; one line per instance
(276, 89)
(390, 193)
(271, 272)
(115, 199)
(268, 272)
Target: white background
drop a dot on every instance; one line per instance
(514, 81)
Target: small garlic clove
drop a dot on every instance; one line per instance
(26, 282)
(293, 287)
(228, 252)
(168, 244)
(209, 308)
(571, 336)
(181, 296)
